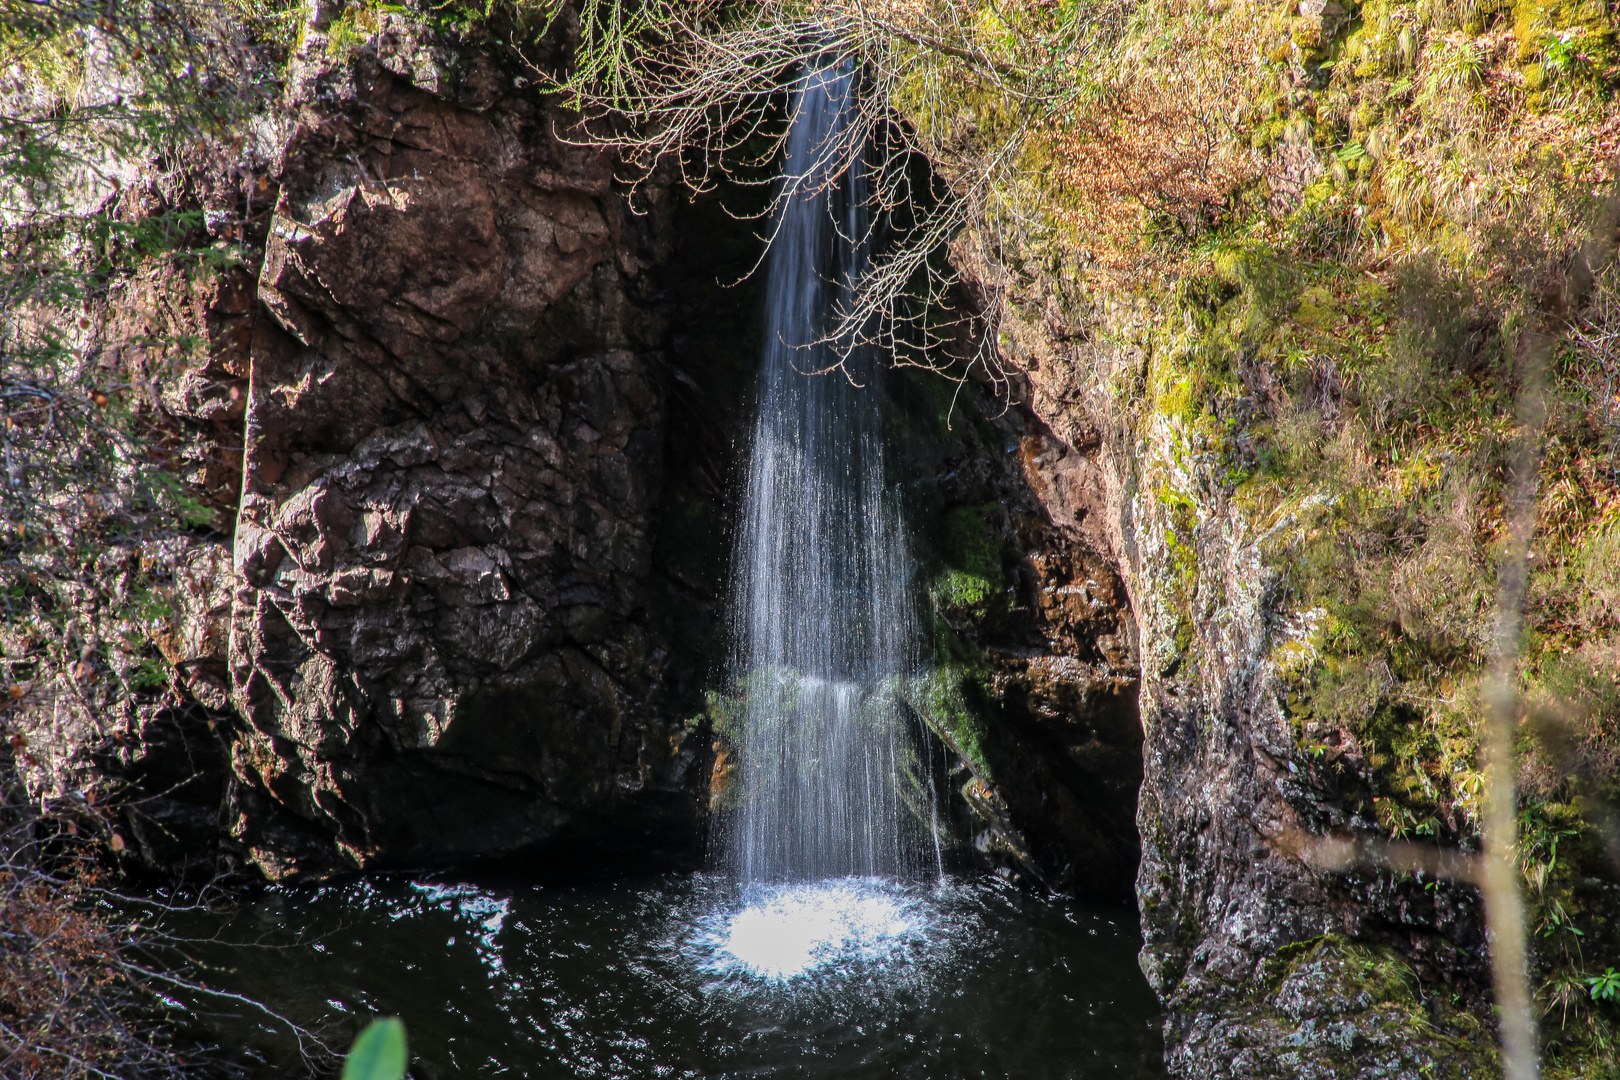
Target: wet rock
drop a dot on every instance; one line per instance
(1036, 674)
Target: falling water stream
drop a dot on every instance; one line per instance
(824, 633)
(826, 940)
(823, 624)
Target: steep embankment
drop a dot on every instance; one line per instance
(1306, 269)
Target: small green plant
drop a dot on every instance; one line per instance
(1559, 919)
(957, 589)
(1458, 69)
(355, 26)
(1562, 52)
(379, 1053)
(1604, 987)
(149, 673)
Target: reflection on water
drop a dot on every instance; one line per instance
(693, 976)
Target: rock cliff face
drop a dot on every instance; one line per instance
(431, 415)
(1034, 643)
(440, 645)
(1268, 963)
(469, 421)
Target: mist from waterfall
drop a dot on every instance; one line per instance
(829, 783)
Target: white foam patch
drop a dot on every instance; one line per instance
(787, 931)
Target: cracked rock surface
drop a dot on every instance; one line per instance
(439, 643)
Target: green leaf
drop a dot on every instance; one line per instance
(1605, 987)
(379, 1053)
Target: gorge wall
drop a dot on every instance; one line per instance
(1269, 963)
(469, 417)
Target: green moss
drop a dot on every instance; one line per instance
(357, 24)
(957, 589)
(724, 713)
(972, 577)
(946, 698)
(1317, 309)
(972, 543)
(1536, 22)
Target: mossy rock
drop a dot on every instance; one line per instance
(1332, 1007)
(1536, 20)
(946, 697)
(972, 578)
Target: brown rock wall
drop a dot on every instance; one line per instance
(454, 440)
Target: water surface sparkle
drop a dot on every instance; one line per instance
(786, 931)
(686, 977)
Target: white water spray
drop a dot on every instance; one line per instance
(831, 783)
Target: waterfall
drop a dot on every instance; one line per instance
(823, 626)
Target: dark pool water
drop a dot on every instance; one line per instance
(688, 976)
